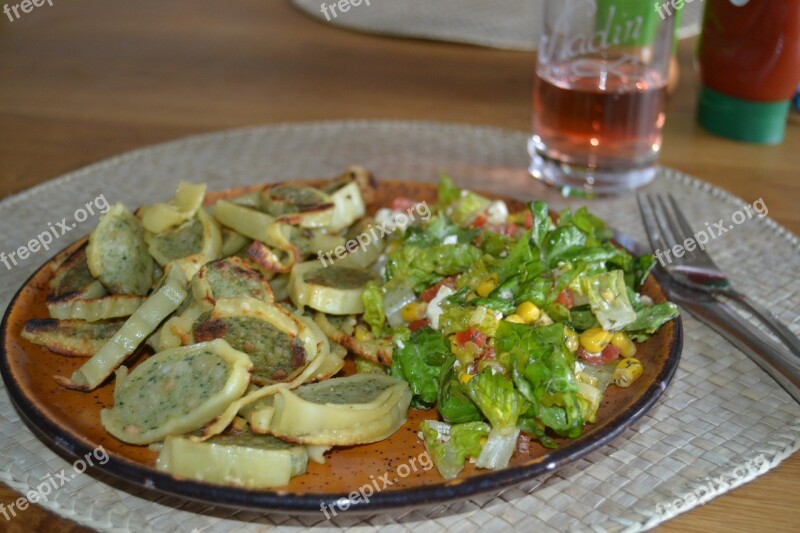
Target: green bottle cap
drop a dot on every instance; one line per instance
(742, 120)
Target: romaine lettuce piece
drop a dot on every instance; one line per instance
(589, 398)
(533, 427)
(640, 269)
(649, 319)
(608, 298)
(454, 318)
(422, 266)
(467, 207)
(447, 191)
(419, 361)
(437, 231)
(450, 446)
(593, 227)
(498, 400)
(374, 313)
(562, 242)
(542, 370)
(519, 256)
(542, 225)
(498, 449)
(454, 403)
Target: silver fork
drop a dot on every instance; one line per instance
(666, 227)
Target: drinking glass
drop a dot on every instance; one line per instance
(599, 94)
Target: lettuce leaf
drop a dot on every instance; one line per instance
(422, 266)
(374, 313)
(467, 207)
(561, 243)
(608, 298)
(435, 232)
(541, 368)
(649, 319)
(450, 446)
(419, 362)
(498, 399)
(542, 225)
(447, 191)
(454, 403)
(592, 226)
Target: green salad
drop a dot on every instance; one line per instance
(508, 323)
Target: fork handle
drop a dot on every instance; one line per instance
(783, 368)
(768, 319)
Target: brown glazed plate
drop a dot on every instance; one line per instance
(69, 421)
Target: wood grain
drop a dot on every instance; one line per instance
(87, 79)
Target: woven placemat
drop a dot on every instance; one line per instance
(721, 423)
(506, 24)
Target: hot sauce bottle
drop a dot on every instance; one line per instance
(749, 58)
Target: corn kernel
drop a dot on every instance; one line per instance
(594, 340)
(529, 312)
(544, 320)
(414, 311)
(626, 347)
(362, 333)
(483, 440)
(571, 338)
(627, 371)
(514, 319)
(464, 378)
(487, 285)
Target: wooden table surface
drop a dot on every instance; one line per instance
(87, 79)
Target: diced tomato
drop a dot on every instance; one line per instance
(429, 293)
(510, 229)
(463, 337)
(480, 221)
(609, 353)
(471, 334)
(566, 298)
(418, 324)
(489, 353)
(528, 220)
(403, 204)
